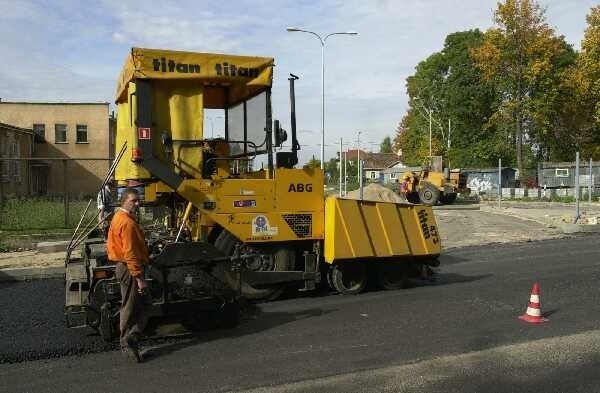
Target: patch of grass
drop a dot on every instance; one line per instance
(565, 199)
(40, 214)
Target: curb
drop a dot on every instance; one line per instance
(575, 228)
(457, 207)
(31, 273)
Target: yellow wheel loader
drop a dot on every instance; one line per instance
(242, 219)
(432, 187)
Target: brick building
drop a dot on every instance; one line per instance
(81, 134)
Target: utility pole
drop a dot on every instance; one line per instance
(499, 183)
(340, 163)
(590, 185)
(360, 182)
(430, 153)
(448, 143)
(358, 152)
(576, 187)
(345, 173)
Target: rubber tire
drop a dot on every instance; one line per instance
(412, 197)
(106, 327)
(448, 199)
(328, 275)
(428, 194)
(392, 276)
(284, 260)
(226, 317)
(341, 273)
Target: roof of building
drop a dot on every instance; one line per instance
(403, 169)
(554, 165)
(380, 160)
(352, 154)
(486, 170)
(374, 160)
(16, 129)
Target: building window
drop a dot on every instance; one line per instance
(4, 164)
(373, 175)
(559, 172)
(82, 133)
(39, 130)
(60, 133)
(15, 151)
(392, 175)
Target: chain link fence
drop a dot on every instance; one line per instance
(47, 193)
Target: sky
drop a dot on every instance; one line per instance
(73, 51)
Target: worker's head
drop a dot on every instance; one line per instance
(130, 200)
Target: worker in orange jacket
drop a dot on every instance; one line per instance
(126, 246)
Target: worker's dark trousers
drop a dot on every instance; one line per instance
(132, 315)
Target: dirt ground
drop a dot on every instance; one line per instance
(460, 228)
(31, 258)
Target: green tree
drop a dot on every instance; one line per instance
(312, 163)
(386, 145)
(526, 63)
(332, 170)
(586, 82)
(449, 84)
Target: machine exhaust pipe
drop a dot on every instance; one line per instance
(295, 144)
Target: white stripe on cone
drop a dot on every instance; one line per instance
(534, 312)
(535, 298)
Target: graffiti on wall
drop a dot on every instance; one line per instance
(481, 183)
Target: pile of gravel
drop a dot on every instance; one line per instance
(378, 193)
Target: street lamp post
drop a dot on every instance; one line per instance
(212, 124)
(322, 40)
(360, 180)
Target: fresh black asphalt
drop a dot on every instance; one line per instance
(473, 306)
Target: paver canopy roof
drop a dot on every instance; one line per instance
(241, 76)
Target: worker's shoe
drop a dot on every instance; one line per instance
(133, 353)
(132, 349)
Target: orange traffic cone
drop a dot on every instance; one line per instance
(534, 309)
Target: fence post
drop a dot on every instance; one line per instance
(590, 184)
(345, 174)
(66, 192)
(360, 179)
(499, 182)
(576, 187)
(340, 163)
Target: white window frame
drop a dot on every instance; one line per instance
(77, 131)
(561, 172)
(56, 133)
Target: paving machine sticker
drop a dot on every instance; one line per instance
(427, 230)
(261, 227)
(244, 203)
